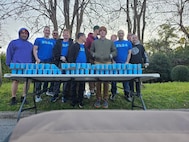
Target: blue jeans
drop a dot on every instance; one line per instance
(125, 87)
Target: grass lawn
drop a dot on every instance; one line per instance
(172, 95)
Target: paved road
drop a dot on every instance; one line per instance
(6, 127)
(8, 121)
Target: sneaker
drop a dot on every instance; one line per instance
(105, 104)
(112, 97)
(21, 100)
(92, 93)
(97, 104)
(50, 93)
(87, 94)
(13, 101)
(54, 98)
(128, 98)
(81, 105)
(64, 100)
(38, 99)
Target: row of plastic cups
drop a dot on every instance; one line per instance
(32, 66)
(39, 71)
(117, 66)
(87, 71)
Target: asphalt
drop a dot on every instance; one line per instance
(8, 121)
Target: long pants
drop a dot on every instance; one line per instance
(99, 94)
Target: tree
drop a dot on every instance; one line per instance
(160, 63)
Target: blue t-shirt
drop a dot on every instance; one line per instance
(65, 45)
(122, 46)
(81, 57)
(45, 48)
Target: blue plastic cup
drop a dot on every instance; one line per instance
(86, 71)
(59, 72)
(30, 71)
(39, 66)
(34, 71)
(47, 66)
(114, 71)
(67, 71)
(129, 71)
(110, 66)
(45, 71)
(121, 71)
(135, 66)
(49, 71)
(139, 66)
(72, 71)
(135, 71)
(88, 66)
(129, 66)
(97, 72)
(22, 65)
(40, 71)
(139, 71)
(111, 71)
(106, 71)
(14, 71)
(114, 66)
(118, 66)
(78, 65)
(83, 65)
(77, 71)
(92, 71)
(12, 65)
(17, 65)
(123, 66)
(81, 71)
(97, 66)
(101, 71)
(106, 66)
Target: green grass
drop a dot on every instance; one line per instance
(172, 95)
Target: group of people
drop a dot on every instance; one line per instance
(94, 49)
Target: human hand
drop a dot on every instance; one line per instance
(146, 65)
(63, 58)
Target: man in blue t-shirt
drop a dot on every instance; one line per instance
(42, 51)
(123, 56)
(77, 53)
(60, 52)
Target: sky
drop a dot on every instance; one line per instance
(9, 28)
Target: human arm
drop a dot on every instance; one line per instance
(9, 53)
(35, 49)
(128, 56)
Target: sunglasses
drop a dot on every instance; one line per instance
(55, 33)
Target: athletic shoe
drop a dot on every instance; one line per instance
(97, 104)
(64, 100)
(128, 98)
(105, 104)
(21, 100)
(81, 105)
(50, 93)
(112, 97)
(38, 99)
(13, 101)
(54, 98)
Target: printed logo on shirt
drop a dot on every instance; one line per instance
(47, 42)
(65, 44)
(121, 45)
(134, 51)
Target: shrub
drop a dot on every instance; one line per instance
(180, 73)
(160, 63)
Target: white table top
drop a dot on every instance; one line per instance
(82, 77)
